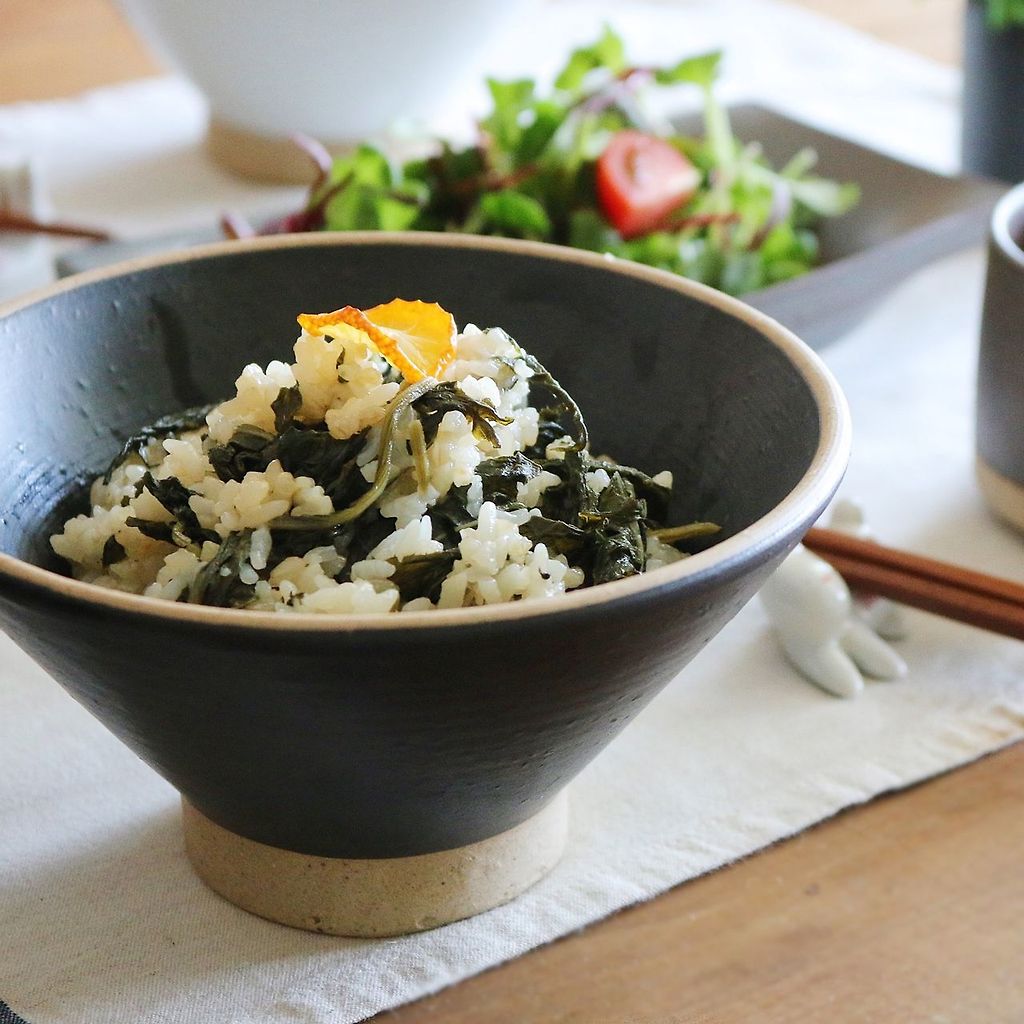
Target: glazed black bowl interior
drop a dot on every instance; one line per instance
(380, 736)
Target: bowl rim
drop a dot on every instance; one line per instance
(1008, 217)
(814, 488)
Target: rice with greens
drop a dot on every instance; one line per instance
(370, 476)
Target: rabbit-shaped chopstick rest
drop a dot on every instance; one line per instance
(830, 638)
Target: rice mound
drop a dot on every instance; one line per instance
(346, 387)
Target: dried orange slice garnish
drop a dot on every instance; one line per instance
(416, 338)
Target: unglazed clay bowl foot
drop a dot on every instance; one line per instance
(374, 897)
(376, 774)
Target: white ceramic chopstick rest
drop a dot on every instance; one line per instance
(809, 605)
(885, 617)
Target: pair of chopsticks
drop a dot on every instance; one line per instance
(941, 588)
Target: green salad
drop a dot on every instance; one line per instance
(585, 164)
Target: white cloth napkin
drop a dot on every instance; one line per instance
(101, 918)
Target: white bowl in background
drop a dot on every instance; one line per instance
(338, 70)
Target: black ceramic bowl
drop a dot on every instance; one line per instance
(380, 737)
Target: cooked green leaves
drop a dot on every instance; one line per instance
(286, 407)
(434, 404)
(163, 428)
(302, 451)
(450, 515)
(564, 410)
(589, 510)
(220, 582)
(501, 477)
(656, 495)
(559, 538)
(113, 551)
(618, 544)
(606, 533)
(246, 452)
(422, 575)
(184, 529)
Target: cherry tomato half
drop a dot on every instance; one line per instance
(640, 180)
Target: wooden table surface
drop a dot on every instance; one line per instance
(909, 909)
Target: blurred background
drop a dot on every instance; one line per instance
(153, 121)
(62, 47)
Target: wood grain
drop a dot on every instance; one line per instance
(928, 27)
(55, 48)
(51, 48)
(907, 910)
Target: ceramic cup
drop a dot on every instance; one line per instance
(1000, 409)
(992, 141)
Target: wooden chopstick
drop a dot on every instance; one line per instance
(842, 544)
(939, 587)
(22, 224)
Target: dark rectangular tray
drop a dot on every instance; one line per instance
(907, 217)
